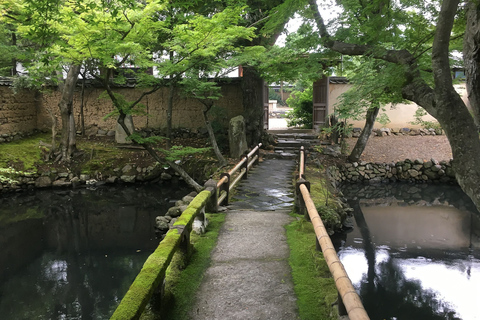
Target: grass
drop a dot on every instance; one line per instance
(183, 281)
(314, 286)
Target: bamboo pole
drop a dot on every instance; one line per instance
(301, 163)
(346, 291)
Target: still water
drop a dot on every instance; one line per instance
(414, 252)
(72, 254)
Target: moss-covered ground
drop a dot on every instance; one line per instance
(96, 155)
(314, 286)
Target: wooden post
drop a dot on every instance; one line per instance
(299, 201)
(212, 205)
(225, 186)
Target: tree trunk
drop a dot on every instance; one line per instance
(252, 87)
(221, 160)
(443, 102)
(82, 107)
(121, 121)
(68, 143)
(14, 61)
(471, 58)
(366, 132)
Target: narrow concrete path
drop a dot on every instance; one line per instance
(250, 277)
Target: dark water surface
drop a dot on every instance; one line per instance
(414, 252)
(73, 254)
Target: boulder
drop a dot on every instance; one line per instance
(237, 137)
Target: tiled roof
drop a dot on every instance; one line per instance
(338, 80)
(5, 81)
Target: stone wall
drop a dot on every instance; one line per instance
(27, 111)
(18, 112)
(415, 171)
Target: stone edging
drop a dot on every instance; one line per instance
(414, 171)
(383, 132)
(11, 181)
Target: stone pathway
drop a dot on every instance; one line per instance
(249, 277)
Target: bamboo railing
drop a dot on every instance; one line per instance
(149, 284)
(225, 184)
(349, 301)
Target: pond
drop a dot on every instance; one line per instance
(72, 254)
(414, 252)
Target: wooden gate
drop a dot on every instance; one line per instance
(320, 103)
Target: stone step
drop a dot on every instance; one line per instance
(293, 143)
(296, 136)
(281, 155)
(292, 131)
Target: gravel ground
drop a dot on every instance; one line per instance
(398, 148)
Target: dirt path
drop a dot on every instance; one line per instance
(398, 148)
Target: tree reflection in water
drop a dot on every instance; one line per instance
(393, 296)
(78, 254)
(387, 293)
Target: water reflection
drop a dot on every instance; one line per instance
(73, 254)
(411, 257)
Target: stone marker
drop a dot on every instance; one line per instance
(237, 137)
(120, 134)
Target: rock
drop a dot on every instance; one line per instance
(428, 164)
(198, 226)
(61, 183)
(413, 173)
(43, 182)
(187, 199)
(84, 177)
(161, 224)
(111, 179)
(237, 137)
(120, 134)
(165, 176)
(128, 179)
(174, 212)
(127, 168)
(333, 151)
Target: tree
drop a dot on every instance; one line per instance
(372, 89)
(436, 95)
(122, 33)
(36, 23)
(302, 103)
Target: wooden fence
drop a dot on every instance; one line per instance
(349, 301)
(149, 284)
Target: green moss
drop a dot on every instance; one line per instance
(22, 154)
(149, 278)
(182, 281)
(314, 286)
(200, 200)
(187, 217)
